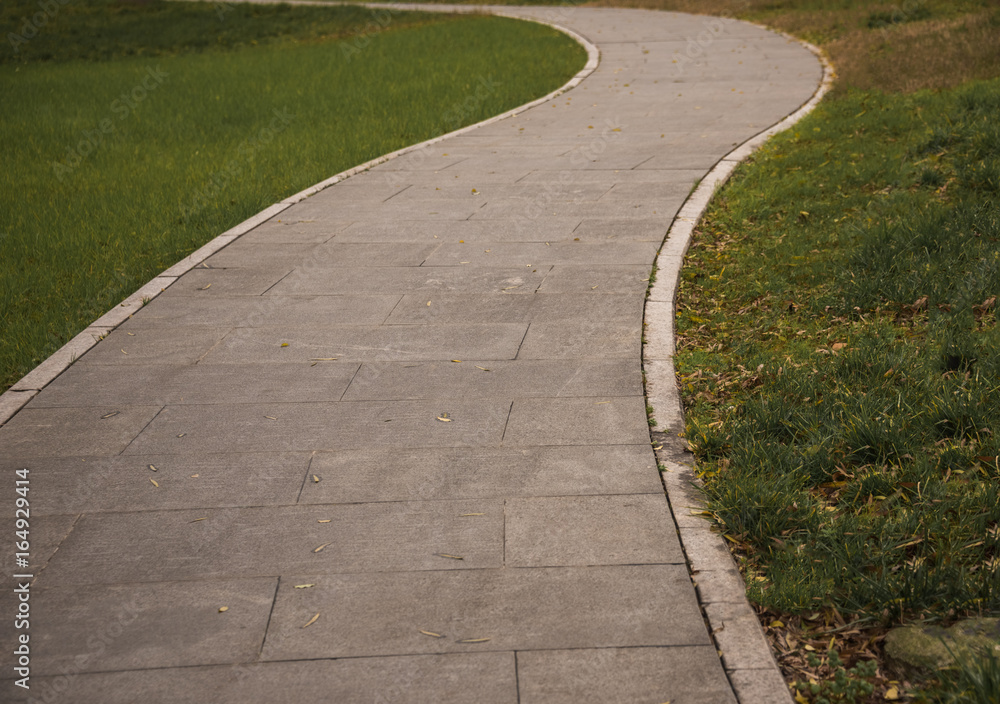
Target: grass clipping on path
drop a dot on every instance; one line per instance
(839, 359)
(124, 156)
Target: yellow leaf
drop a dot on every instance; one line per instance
(152, 468)
(315, 479)
(432, 634)
(457, 361)
(320, 548)
(444, 420)
(451, 557)
(428, 302)
(154, 481)
(203, 518)
(777, 624)
(809, 647)
(311, 621)
(284, 344)
(270, 417)
(194, 476)
(324, 520)
(223, 609)
(110, 415)
(473, 640)
(304, 586)
(891, 694)
(205, 287)
(801, 699)
(483, 368)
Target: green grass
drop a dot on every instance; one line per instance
(840, 359)
(216, 134)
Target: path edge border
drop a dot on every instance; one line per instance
(746, 655)
(27, 387)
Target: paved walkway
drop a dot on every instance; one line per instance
(391, 445)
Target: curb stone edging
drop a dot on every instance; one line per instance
(26, 388)
(746, 654)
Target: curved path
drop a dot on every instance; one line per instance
(391, 444)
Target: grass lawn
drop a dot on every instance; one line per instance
(136, 132)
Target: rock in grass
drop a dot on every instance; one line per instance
(931, 648)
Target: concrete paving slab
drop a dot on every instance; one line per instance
(471, 473)
(330, 255)
(72, 485)
(369, 344)
(420, 679)
(135, 626)
(532, 255)
(64, 432)
(295, 231)
(592, 530)
(516, 609)
(690, 674)
(181, 344)
(385, 280)
(247, 311)
(116, 548)
(207, 282)
(284, 427)
(512, 306)
(565, 278)
(199, 384)
(468, 231)
(497, 379)
(583, 340)
(576, 421)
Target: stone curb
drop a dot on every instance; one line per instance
(12, 400)
(746, 654)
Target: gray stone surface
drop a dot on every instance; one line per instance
(283, 427)
(421, 679)
(63, 432)
(485, 379)
(688, 675)
(590, 530)
(134, 626)
(482, 472)
(577, 421)
(522, 609)
(270, 541)
(541, 476)
(368, 344)
(71, 485)
(177, 384)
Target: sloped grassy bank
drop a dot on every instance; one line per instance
(840, 364)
